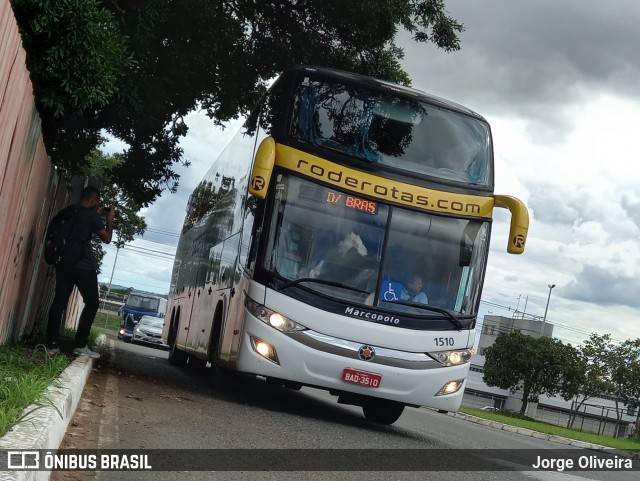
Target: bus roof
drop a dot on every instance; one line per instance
(384, 86)
(150, 295)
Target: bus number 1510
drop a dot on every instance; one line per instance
(443, 341)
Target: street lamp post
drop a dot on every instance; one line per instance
(104, 302)
(544, 319)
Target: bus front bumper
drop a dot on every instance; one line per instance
(295, 359)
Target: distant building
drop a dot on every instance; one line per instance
(494, 325)
(597, 415)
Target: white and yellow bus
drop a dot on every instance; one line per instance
(340, 241)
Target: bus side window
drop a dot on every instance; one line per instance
(294, 245)
(228, 260)
(213, 270)
(252, 232)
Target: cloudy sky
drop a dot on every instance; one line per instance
(559, 82)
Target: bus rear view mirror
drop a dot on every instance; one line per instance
(262, 168)
(519, 222)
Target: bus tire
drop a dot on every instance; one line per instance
(176, 357)
(197, 363)
(214, 339)
(224, 378)
(221, 377)
(382, 411)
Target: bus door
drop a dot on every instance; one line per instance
(229, 279)
(218, 282)
(196, 275)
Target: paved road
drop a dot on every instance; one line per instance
(135, 399)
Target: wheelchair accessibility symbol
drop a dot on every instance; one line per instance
(390, 294)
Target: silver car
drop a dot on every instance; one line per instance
(149, 331)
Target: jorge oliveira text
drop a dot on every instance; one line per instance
(589, 462)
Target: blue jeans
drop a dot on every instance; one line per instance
(86, 280)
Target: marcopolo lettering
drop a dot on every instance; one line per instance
(374, 316)
(390, 191)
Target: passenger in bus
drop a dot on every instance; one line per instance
(412, 290)
(344, 261)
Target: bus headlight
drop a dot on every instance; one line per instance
(451, 387)
(273, 318)
(453, 358)
(265, 349)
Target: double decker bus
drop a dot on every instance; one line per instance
(340, 241)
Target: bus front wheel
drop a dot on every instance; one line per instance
(382, 411)
(197, 363)
(224, 378)
(176, 356)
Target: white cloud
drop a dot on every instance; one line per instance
(202, 145)
(558, 82)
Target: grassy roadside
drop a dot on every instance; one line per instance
(25, 374)
(106, 320)
(624, 444)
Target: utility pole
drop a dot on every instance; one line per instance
(551, 286)
(524, 310)
(104, 301)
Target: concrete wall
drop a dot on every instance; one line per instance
(30, 192)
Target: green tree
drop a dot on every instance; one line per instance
(75, 52)
(127, 223)
(596, 352)
(533, 366)
(78, 57)
(143, 66)
(624, 375)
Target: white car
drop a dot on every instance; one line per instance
(149, 331)
(490, 408)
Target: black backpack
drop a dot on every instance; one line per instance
(62, 246)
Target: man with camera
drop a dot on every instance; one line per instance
(85, 219)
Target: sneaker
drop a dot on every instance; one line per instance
(85, 351)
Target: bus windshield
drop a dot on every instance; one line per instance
(398, 132)
(366, 252)
(141, 303)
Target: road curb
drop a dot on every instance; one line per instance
(46, 426)
(548, 437)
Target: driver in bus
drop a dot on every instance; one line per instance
(412, 290)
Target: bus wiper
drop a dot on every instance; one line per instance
(450, 317)
(294, 282)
